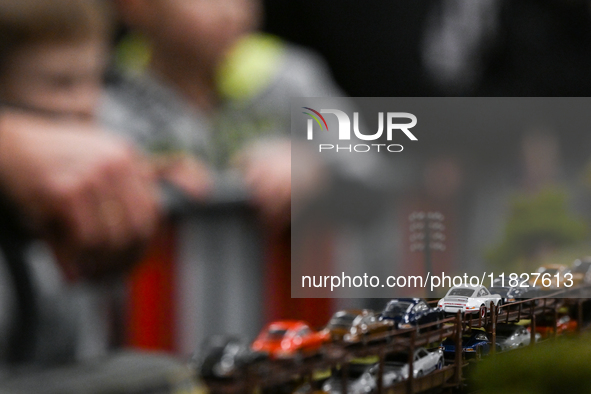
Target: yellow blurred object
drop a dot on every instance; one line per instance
(366, 360)
(548, 274)
(133, 54)
(250, 66)
(322, 374)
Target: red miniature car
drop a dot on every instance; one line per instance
(565, 325)
(283, 339)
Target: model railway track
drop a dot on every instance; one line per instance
(300, 371)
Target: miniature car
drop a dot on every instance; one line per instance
(565, 325)
(550, 271)
(512, 336)
(581, 271)
(395, 370)
(501, 286)
(286, 338)
(424, 362)
(355, 384)
(353, 325)
(410, 312)
(469, 299)
(224, 357)
(475, 343)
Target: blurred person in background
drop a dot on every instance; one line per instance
(213, 90)
(198, 87)
(541, 49)
(508, 48)
(89, 194)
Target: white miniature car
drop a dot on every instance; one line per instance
(512, 336)
(395, 370)
(468, 299)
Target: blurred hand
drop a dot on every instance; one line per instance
(266, 167)
(88, 193)
(187, 172)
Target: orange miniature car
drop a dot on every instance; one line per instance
(286, 338)
(564, 325)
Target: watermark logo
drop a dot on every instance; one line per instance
(310, 125)
(392, 120)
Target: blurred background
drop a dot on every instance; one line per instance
(191, 286)
(218, 266)
(444, 48)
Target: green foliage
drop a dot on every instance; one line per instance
(560, 366)
(536, 221)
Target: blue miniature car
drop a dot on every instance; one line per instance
(475, 344)
(411, 312)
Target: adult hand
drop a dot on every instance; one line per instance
(266, 168)
(91, 195)
(188, 173)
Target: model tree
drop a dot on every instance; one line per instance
(538, 224)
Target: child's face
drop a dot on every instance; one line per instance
(207, 28)
(64, 79)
